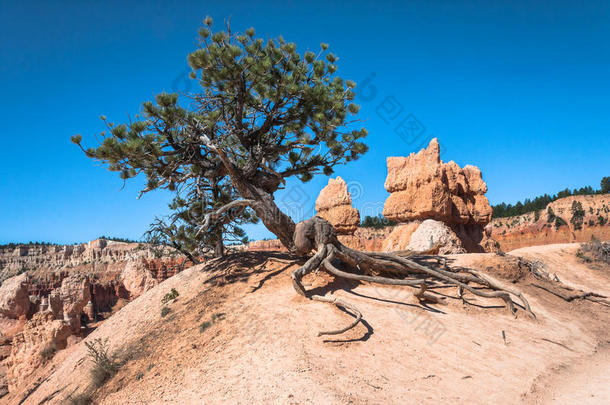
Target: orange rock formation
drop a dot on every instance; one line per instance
(335, 205)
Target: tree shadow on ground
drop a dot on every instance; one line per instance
(240, 266)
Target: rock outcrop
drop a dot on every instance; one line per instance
(41, 337)
(555, 226)
(400, 236)
(369, 239)
(422, 187)
(266, 245)
(14, 297)
(68, 301)
(435, 237)
(137, 279)
(335, 205)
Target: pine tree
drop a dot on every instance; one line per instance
(605, 185)
(264, 113)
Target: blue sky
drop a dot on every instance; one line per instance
(520, 89)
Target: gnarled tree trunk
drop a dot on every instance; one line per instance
(219, 248)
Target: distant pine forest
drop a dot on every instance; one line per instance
(13, 245)
(508, 210)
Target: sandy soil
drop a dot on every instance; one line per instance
(263, 344)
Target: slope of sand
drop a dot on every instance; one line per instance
(264, 348)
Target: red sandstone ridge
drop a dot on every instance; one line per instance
(335, 205)
(539, 228)
(422, 187)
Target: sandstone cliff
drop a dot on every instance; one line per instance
(540, 228)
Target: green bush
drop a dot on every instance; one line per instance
(80, 399)
(559, 222)
(170, 296)
(204, 326)
(165, 311)
(105, 365)
(578, 215)
(215, 317)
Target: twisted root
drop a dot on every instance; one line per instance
(316, 233)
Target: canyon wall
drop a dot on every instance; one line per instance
(542, 228)
(48, 294)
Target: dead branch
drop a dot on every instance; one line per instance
(213, 216)
(570, 294)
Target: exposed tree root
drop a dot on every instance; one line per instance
(570, 294)
(557, 288)
(345, 305)
(341, 261)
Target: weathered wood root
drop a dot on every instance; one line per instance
(317, 232)
(570, 294)
(345, 305)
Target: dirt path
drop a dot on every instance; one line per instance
(561, 259)
(262, 346)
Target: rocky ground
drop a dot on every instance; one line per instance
(261, 345)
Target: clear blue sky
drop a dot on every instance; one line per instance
(520, 89)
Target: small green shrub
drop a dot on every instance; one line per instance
(204, 326)
(48, 352)
(595, 250)
(139, 376)
(215, 317)
(80, 399)
(165, 311)
(550, 215)
(105, 365)
(581, 255)
(559, 222)
(170, 296)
